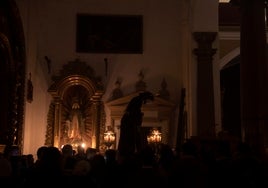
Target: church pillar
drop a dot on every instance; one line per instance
(205, 91)
(253, 73)
(56, 131)
(96, 105)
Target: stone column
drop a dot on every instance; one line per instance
(205, 91)
(96, 109)
(253, 73)
(56, 131)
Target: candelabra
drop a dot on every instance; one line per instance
(109, 138)
(154, 138)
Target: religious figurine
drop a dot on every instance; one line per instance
(117, 92)
(140, 84)
(163, 92)
(75, 122)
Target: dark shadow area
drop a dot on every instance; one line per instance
(230, 96)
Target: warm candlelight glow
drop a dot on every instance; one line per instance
(154, 136)
(109, 138)
(83, 145)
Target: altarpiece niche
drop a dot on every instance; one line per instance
(76, 114)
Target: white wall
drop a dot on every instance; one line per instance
(50, 30)
(36, 111)
(204, 19)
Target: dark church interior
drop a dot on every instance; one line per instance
(143, 138)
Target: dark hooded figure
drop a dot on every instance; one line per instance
(130, 139)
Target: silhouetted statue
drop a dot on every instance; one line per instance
(130, 139)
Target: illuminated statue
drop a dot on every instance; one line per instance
(75, 122)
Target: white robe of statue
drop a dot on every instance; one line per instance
(75, 126)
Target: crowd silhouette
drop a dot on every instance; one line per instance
(193, 165)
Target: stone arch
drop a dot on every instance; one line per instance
(227, 58)
(13, 67)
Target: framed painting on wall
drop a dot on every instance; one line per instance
(109, 34)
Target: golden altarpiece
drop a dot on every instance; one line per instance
(76, 114)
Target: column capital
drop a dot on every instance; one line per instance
(204, 39)
(240, 2)
(204, 51)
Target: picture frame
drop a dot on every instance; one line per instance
(109, 33)
(29, 89)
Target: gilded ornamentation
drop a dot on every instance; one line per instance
(78, 114)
